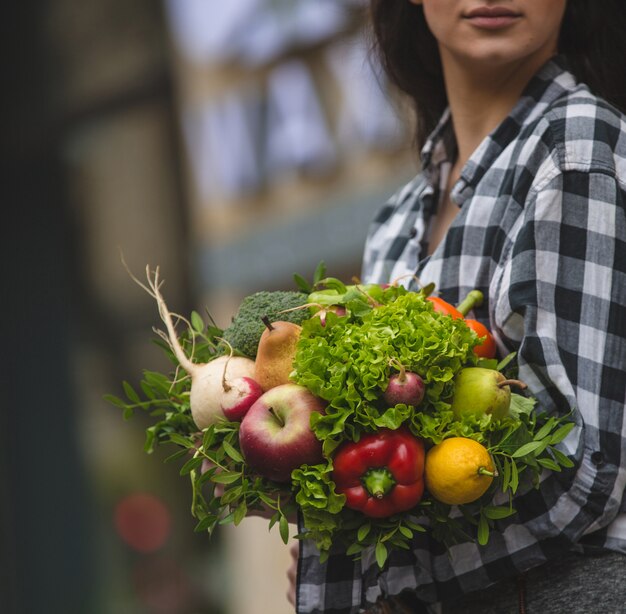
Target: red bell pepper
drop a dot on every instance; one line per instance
(381, 474)
(487, 347)
(442, 306)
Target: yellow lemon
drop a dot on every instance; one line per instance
(458, 470)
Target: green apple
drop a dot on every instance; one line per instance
(479, 391)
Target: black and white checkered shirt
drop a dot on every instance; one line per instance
(541, 232)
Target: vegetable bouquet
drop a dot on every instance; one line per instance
(374, 412)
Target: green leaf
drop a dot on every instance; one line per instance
(181, 440)
(561, 433)
(227, 519)
(111, 398)
(178, 454)
(548, 463)
(157, 381)
(190, 465)
(363, 531)
(516, 436)
(283, 527)
(381, 554)
(149, 443)
(354, 548)
(231, 495)
(205, 476)
(230, 450)
(271, 503)
(506, 474)
(528, 448)
(332, 283)
(428, 289)
(128, 413)
(405, 531)
(302, 283)
(562, 459)
(197, 322)
(506, 361)
(414, 526)
(545, 429)
(514, 477)
(207, 438)
(496, 512)
(389, 535)
(320, 272)
(147, 390)
(545, 442)
(130, 392)
(488, 363)
(274, 519)
(483, 530)
(226, 427)
(225, 477)
(397, 542)
(520, 405)
(205, 524)
(240, 513)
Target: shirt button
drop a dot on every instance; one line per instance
(597, 458)
(413, 233)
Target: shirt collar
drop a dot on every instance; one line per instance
(549, 83)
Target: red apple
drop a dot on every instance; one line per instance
(275, 434)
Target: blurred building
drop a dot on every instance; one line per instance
(291, 139)
(233, 144)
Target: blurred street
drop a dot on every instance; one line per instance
(232, 144)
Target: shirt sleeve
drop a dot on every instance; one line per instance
(560, 302)
(566, 317)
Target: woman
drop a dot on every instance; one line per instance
(522, 195)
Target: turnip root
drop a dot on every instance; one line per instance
(404, 387)
(214, 385)
(241, 395)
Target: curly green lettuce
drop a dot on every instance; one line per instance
(347, 363)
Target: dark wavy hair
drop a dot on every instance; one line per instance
(592, 40)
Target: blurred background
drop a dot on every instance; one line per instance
(231, 143)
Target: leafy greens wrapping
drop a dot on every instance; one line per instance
(347, 362)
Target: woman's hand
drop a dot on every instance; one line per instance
(292, 573)
(266, 512)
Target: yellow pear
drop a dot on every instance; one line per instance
(277, 349)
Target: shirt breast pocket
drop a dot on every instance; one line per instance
(507, 324)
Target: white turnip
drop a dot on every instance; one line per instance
(216, 385)
(404, 387)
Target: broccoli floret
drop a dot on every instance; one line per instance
(246, 328)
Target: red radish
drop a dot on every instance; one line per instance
(241, 395)
(212, 382)
(404, 387)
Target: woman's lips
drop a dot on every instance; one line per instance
(492, 17)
